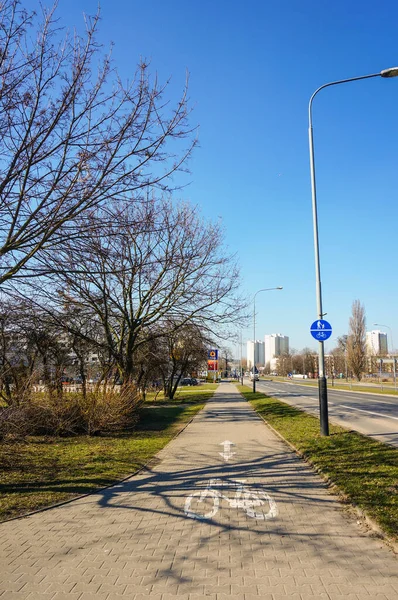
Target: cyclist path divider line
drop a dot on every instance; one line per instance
(228, 511)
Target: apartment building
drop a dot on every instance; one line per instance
(255, 353)
(376, 343)
(275, 344)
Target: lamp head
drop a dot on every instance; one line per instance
(392, 72)
(280, 287)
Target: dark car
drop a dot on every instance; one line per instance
(189, 381)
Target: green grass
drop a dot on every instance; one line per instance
(184, 395)
(42, 471)
(338, 384)
(370, 389)
(363, 469)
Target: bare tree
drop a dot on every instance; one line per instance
(309, 361)
(226, 357)
(342, 342)
(154, 267)
(339, 361)
(284, 363)
(356, 341)
(18, 354)
(297, 361)
(71, 140)
(84, 340)
(339, 356)
(32, 348)
(183, 351)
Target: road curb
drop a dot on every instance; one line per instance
(344, 499)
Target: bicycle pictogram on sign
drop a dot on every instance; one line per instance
(321, 330)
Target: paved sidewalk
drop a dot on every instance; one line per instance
(145, 538)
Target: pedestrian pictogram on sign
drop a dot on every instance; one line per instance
(321, 330)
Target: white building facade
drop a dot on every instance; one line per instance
(275, 344)
(255, 353)
(376, 343)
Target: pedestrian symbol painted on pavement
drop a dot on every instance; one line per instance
(321, 330)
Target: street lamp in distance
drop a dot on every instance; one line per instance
(279, 287)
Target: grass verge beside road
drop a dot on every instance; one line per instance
(184, 395)
(42, 471)
(364, 470)
(337, 384)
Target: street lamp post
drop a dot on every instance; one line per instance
(254, 329)
(241, 362)
(392, 348)
(345, 355)
(323, 400)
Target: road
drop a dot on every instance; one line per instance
(374, 415)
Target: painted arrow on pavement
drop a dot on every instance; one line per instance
(227, 454)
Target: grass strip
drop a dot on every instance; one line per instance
(184, 395)
(352, 387)
(363, 469)
(41, 471)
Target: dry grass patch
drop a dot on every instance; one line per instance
(41, 471)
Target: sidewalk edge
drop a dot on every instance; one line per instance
(106, 487)
(360, 513)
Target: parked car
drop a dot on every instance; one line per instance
(255, 377)
(189, 381)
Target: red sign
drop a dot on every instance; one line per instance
(212, 365)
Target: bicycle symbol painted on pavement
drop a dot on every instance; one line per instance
(206, 503)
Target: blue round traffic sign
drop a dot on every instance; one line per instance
(321, 330)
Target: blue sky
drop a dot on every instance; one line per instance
(253, 66)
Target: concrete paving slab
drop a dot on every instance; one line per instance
(228, 512)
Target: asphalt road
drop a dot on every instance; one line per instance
(374, 415)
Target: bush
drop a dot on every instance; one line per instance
(13, 421)
(102, 411)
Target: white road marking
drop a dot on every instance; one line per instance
(227, 454)
(384, 401)
(370, 412)
(245, 498)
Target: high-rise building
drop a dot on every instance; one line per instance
(376, 343)
(275, 344)
(257, 348)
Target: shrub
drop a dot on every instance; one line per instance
(104, 410)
